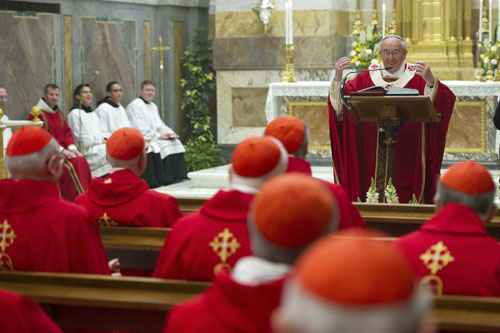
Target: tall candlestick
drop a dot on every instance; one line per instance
(490, 21)
(384, 9)
(480, 31)
(291, 21)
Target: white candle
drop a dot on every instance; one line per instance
(498, 21)
(490, 19)
(287, 27)
(383, 18)
(480, 31)
(288, 22)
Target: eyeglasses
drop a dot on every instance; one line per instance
(395, 53)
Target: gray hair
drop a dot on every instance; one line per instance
(302, 152)
(482, 204)
(34, 163)
(265, 249)
(128, 164)
(401, 41)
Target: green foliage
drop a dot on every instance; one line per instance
(198, 92)
(365, 47)
(489, 56)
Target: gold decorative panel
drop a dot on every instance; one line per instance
(315, 116)
(148, 71)
(248, 105)
(467, 130)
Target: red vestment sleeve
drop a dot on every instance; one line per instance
(169, 265)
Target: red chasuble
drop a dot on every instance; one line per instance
(20, 314)
(209, 241)
(296, 164)
(418, 151)
(453, 253)
(41, 232)
(76, 175)
(228, 306)
(122, 198)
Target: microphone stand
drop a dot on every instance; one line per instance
(343, 99)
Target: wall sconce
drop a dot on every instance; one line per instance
(264, 13)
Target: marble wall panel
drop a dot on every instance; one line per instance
(68, 60)
(109, 53)
(247, 24)
(315, 116)
(467, 129)
(27, 55)
(248, 105)
(268, 53)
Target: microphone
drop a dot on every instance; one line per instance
(355, 71)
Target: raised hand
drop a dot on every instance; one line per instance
(425, 72)
(340, 66)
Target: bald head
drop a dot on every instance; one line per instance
(393, 52)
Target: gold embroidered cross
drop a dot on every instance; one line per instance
(437, 257)
(106, 221)
(7, 236)
(225, 244)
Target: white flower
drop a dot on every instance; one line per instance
(353, 53)
(493, 62)
(368, 51)
(354, 44)
(374, 62)
(357, 63)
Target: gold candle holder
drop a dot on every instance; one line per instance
(289, 72)
(36, 112)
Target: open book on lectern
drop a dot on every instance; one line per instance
(382, 91)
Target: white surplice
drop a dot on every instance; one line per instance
(89, 136)
(112, 118)
(7, 133)
(146, 117)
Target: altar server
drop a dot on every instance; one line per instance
(88, 130)
(110, 111)
(166, 152)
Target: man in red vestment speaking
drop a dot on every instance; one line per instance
(122, 197)
(419, 148)
(38, 230)
(76, 175)
(452, 251)
(289, 213)
(214, 238)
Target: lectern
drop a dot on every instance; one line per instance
(389, 113)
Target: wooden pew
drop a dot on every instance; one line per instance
(102, 302)
(394, 219)
(139, 248)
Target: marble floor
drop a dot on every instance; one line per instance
(204, 183)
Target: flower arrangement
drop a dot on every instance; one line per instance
(489, 56)
(365, 45)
